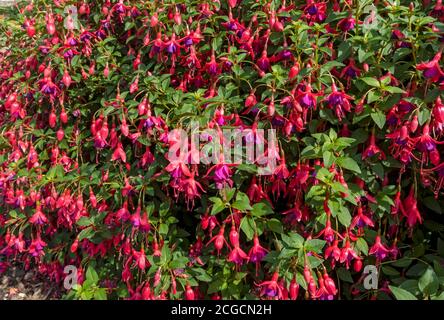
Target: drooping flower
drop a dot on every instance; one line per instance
(36, 247)
(339, 102)
(432, 70)
(38, 218)
(378, 249)
(373, 149)
(272, 289)
(425, 142)
(361, 220)
(256, 253)
(315, 11)
(410, 210)
(347, 24)
(237, 256)
(347, 254)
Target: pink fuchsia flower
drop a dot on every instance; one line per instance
(378, 249)
(222, 174)
(219, 240)
(329, 284)
(37, 246)
(327, 232)
(256, 253)
(140, 259)
(306, 98)
(347, 254)
(338, 101)
(333, 252)
(192, 189)
(237, 256)
(347, 24)
(272, 289)
(361, 220)
(432, 70)
(38, 217)
(315, 11)
(373, 149)
(425, 142)
(350, 71)
(409, 209)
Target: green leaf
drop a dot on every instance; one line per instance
(247, 226)
(344, 275)
(344, 51)
(261, 209)
(402, 263)
(218, 205)
(92, 275)
(432, 204)
(371, 82)
(242, 202)
(390, 271)
(84, 222)
(293, 240)
(393, 89)
(179, 262)
(362, 246)
(423, 116)
(328, 158)
(275, 225)
(348, 163)
(163, 229)
(344, 216)
(100, 294)
(87, 233)
(401, 294)
(428, 283)
(379, 118)
(330, 65)
(314, 245)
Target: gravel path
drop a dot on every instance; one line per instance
(17, 284)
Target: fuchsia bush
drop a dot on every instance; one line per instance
(89, 94)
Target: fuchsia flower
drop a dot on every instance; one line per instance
(222, 174)
(191, 187)
(361, 220)
(219, 240)
(350, 72)
(315, 11)
(272, 289)
(328, 232)
(36, 247)
(409, 209)
(378, 249)
(425, 142)
(347, 254)
(432, 69)
(373, 150)
(38, 217)
(338, 101)
(333, 252)
(347, 24)
(237, 256)
(257, 253)
(305, 97)
(140, 259)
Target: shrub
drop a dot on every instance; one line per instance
(90, 93)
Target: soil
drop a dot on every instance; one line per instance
(18, 284)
